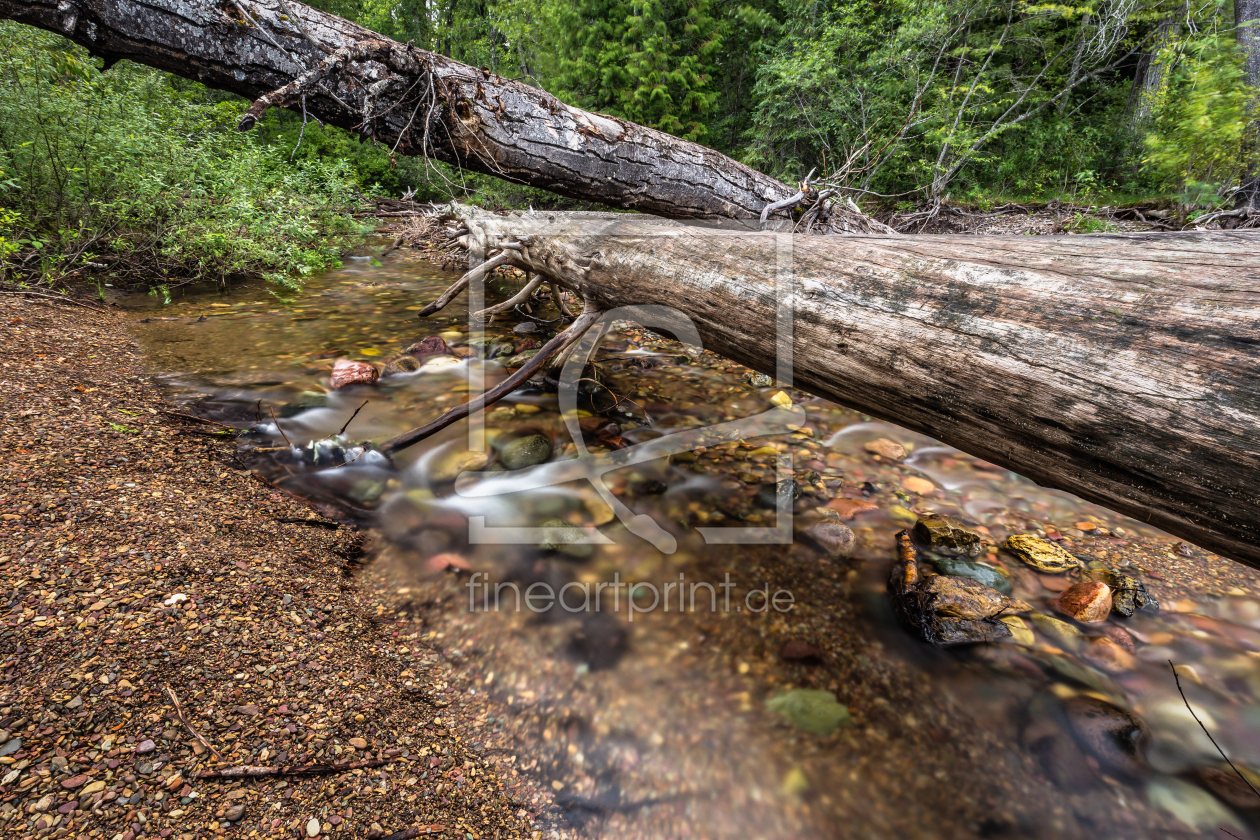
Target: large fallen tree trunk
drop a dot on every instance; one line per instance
(1125, 369)
(284, 54)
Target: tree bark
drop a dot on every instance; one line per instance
(1122, 368)
(1248, 11)
(414, 101)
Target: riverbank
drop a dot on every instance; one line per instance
(138, 559)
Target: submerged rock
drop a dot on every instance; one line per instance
(526, 452)
(1224, 782)
(1060, 631)
(403, 364)
(449, 463)
(812, 710)
(564, 538)
(758, 380)
(305, 401)
(787, 491)
(1042, 555)
(432, 346)
(986, 575)
(520, 359)
(944, 531)
(947, 610)
(1115, 736)
(346, 373)
(886, 448)
(833, 537)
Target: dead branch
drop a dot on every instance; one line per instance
(179, 713)
(251, 771)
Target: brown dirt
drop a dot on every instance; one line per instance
(110, 508)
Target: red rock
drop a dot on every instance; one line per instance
(74, 782)
(797, 651)
(346, 373)
(434, 345)
(447, 560)
(849, 508)
(1088, 603)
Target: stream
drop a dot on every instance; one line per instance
(744, 674)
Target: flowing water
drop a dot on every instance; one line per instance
(755, 682)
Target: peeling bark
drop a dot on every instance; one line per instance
(414, 101)
(1122, 368)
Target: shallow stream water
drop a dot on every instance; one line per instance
(678, 710)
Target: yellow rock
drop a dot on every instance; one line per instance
(782, 400)
(1042, 555)
(92, 788)
(1019, 630)
(1058, 630)
(902, 514)
(795, 783)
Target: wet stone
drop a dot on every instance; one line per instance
(985, 575)
(560, 536)
(1115, 736)
(526, 452)
(520, 359)
(431, 346)
(944, 531)
(811, 710)
(1128, 594)
(886, 448)
(835, 538)
(145, 746)
(785, 492)
(305, 401)
(1088, 603)
(525, 328)
(346, 373)
(1042, 555)
(11, 746)
(758, 380)
(403, 364)
(798, 650)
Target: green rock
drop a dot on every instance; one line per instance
(520, 359)
(812, 710)
(501, 351)
(986, 575)
(526, 452)
(937, 530)
(366, 490)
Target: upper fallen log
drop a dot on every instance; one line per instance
(281, 53)
(1122, 368)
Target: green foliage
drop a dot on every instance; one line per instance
(149, 178)
(1196, 145)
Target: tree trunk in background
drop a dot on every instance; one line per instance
(413, 101)
(1152, 75)
(1249, 41)
(1124, 369)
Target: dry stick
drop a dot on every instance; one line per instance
(1237, 772)
(194, 418)
(278, 429)
(301, 133)
(458, 286)
(393, 247)
(507, 386)
(418, 831)
(179, 713)
(560, 304)
(250, 770)
(519, 297)
(351, 420)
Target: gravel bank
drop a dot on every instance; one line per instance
(137, 555)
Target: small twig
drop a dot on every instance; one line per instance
(301, 133)
(179, 713)
(351, 461)
(1237, 772)
(351, 420)
(194, 418)
(278, 429)
(250, 770)
(1230, 833)
(418, 831)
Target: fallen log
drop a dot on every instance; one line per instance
(282, 53)
(1122, 368)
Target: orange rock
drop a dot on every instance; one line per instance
(1088, 603)
(918, 485)
(886, 448)
(849, 508)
